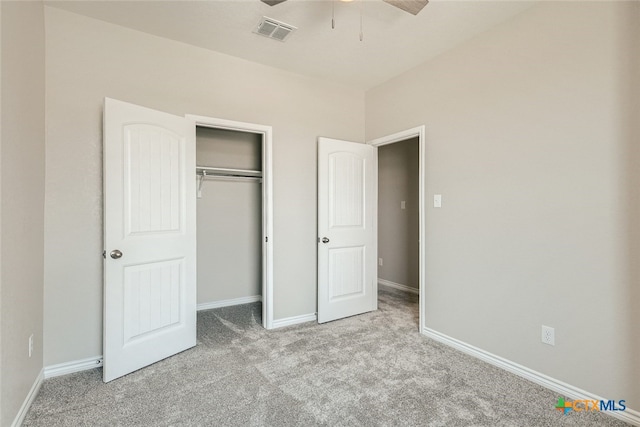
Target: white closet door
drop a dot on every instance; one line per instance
(149, 237)
(346, 229)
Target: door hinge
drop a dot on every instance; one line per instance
(104, 254)
(266, 239)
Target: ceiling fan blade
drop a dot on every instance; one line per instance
(412, 6)
(273, 2)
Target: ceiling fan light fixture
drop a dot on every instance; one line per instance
(411, 6)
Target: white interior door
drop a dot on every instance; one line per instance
(346, 229)
(149, 237)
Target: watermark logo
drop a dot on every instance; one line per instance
(563, 406)
(584, 405)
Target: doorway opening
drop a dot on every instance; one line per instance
(398, 221)
(400, 215)
(234, 215)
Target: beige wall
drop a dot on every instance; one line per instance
(1, 120)
(229, 218)
(1, 204)
(228, 149)
(529, 135)
(633, 178)
(22, 201)
(398, 229)
(88, 60)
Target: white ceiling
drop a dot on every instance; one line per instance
(394, 41)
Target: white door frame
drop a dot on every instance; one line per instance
(398, 137)
(267, 202)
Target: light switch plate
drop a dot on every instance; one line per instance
(437, 200)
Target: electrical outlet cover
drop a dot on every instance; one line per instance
(548, 335)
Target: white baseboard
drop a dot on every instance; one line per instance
(395, 285)
(229, 302)
(33, 392)
(566, 390)
(289, 321)
(73, 366)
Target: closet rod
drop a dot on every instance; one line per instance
(229, 178)
(211, 171)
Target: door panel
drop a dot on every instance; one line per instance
(152, 297)
(152, 196)
(346, 190)
(149, 216)
(346, 229)
(346, 273)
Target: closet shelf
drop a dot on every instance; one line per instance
(240, 173)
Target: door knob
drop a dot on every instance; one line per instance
(115, 254)
(325, 240)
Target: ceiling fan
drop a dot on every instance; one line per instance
(411, 6)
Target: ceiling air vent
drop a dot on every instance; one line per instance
(273, 29)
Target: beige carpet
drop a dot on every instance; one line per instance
(368, 370)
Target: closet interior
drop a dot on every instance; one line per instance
(229, 217)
